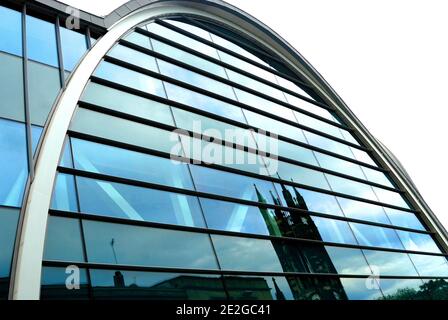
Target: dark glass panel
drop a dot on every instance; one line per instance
(11, 87)
(63, 240)
(13, 162)
(55, 280)
(74, 45)
(403, 289)
(124, 285)
(10, 31)
(130, 202)
(435, 289)
(64, 195)
(131, 245)
(127, 103)
(43, 85)
(8, 226)
(41, 41)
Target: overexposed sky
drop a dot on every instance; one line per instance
(388, 60)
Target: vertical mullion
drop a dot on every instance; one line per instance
(88, 38)
(60, 58)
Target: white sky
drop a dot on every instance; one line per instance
(388, 60)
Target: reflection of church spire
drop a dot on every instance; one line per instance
(301, 204)
(270, 221)
(119, 280)
(278, 293)
(287, 195)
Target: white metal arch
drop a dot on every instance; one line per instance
(28, 267)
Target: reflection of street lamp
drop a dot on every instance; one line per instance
(112, 243)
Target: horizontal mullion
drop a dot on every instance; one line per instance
(106, 266)
(206, 138)
(176, 104)
(148, 224)
(232, 67)
(188, 86)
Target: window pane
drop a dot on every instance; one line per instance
(363, 211)
(350, 187)
(339, 165)
(99, 158)
(134, 57)
(109, 127)
(13, 163)
(418, 241)
(128, 245)
(139, 39)
(328, 144)
(64, 197)
(362, 156)
(41, 41)
(316, 124)
(307, 106)
(63, 240)
(11, 87)
(10, 31)
(390, 197)
(54, 285)
(8, 226)
(195, 79)
(203, 102)
(43, 85)
(334, 230)
(376, 236)
(130, 78)
(361, 289)
(377, 177)
(155, 286)
(74, 45)
(130, 202)
(430, 266)
(127, 103)
(403, 289)
(390, 263)
(404, 219)
(232, 185)
(348, 261)
(294, 173)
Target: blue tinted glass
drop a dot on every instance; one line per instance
(255, 85)
(376, 236)
(356, 289)
(41, 41)
(139, 39)
(8, 226)
(10, 31)
(128, 245)
(319, 125)
(130, 78)
(134, 57)
(13, 162)
(63, 240)
(66, 157)
(385, 263)
(305, 176)
(348, 261)
(404, 219)
(352, 188)
(36, 132)
(377, 177)
(233, 185)
(390, 197)
(54, 284)
(430, 266)
(203, 102)
(99, 158)
(328, 144)
(74, 45)
(64, 196)
(418, 241)
(130, 202)
(11, 87)
(363, 211)
(334, 231)
(339, 165)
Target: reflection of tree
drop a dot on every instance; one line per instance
(430, 290)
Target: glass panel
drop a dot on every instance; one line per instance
(10, 31)
(74, 45)
(385, 263)
(362, 156)
(430, 266)
(376, 236)
(11, 86)
(190, 28)
(130, 202)
(54, 285)
(134, 57)
(13, 163)
(130, 78)
(63, 240)
(195, 79)
(155, 286)
(263, 104)
(203, 102)
(339, 165)
(348, 261)
(377, 177)
(41, 41)
(181, 39)
(436, 289)
(292, 86)
(113, 161)
(109, 127)
(350, 187)
(36, 133)
(316, 124)
(8, 226)
(128, 245)
(64, 196)
(334, 231)
(274, 126)
(362, 289)
(418, 241)
(127, 103)
(139, 39)
(188, 58)
(363, 211)
(403, 289)
(43, 85)
(291, 172)
(307, 106)
(404, 219)
(233, 185)
(308, 200)
(390, 197)
(328, 144)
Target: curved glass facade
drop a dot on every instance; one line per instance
(198, 166)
